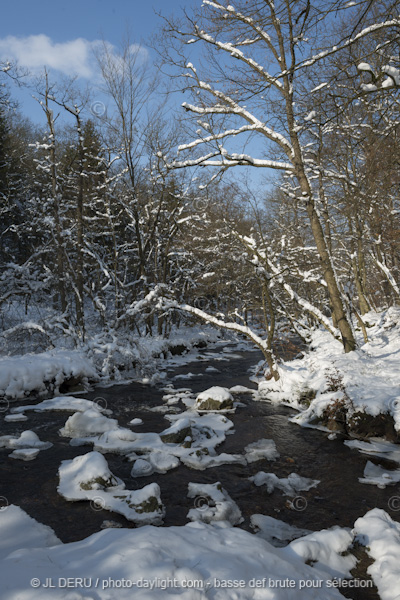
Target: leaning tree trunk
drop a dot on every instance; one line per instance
(297, 158)
(343, 324)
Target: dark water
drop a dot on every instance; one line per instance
(338, 500)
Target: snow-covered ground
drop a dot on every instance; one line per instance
(211, 557)
(333, 390)
(104, 357)
(197, 561)
(42, 373)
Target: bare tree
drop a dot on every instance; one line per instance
(252, 86)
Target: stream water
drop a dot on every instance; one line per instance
(339, 499)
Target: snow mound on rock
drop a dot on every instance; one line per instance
(325, 550)
(213, 503)
(88, 423)
(26, 447)
(215, 398)
(88, 477)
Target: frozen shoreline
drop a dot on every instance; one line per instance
(355, 393)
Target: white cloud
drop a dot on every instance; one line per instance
(34, 52)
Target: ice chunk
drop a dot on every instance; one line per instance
(261, 449)
(276, 532)
(290, 485)
(377, 475)
(213, 503)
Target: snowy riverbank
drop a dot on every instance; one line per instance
(198, 561)
(211, 557)
(105, 357)
(356, 393)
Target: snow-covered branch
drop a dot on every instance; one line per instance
(236, 53)
(227, 105)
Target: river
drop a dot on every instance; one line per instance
(339, 499)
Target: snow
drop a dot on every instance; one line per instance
(376, 447)
(88, 423)
(289, 485)
(319, 87)
(15, 418)
(325, 549)
(261, 449)
(25, 453)
(159, 409)
(104, 356)
(23, 375)
(276, 532)
(377, 475)
(60, 403)
(163, 462)
(207, 548)
(365, 380)
(227, 325)
(19, 530)
(310, 116)
(363, 66)
(213, 503)
(88, 477)
(27, 441)
(200, 460)
(369, 87)
(85, 469)
(211, 369)
(196, 447)
(187, 376)
(176, 430)
(381, 536)
(392, 81)
(241, 389)
(198, 561)
(142, 468)
(216, 394)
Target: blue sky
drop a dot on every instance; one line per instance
(63, 34)
(89, 19)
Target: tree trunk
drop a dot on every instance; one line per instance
(79, 234)
(349, 343)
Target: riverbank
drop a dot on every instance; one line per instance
(355, 394)
(274, 540)
(104, 358)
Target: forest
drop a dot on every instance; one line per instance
(124, 201)
(234, 181)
